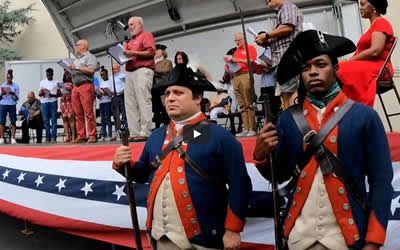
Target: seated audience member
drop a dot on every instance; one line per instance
(359, 73)
(219, 103)
(67, 112)
(9, 95)
(104, 95)
(30, 109)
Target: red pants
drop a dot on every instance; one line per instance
(82, 103)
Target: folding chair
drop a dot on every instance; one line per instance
(384, 83)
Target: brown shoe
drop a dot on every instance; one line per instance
(92, 139)
(79, 140)
(140, 138)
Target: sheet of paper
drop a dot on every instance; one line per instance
(117, 52)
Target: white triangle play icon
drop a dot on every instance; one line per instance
(196, 134)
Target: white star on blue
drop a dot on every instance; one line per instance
(21, 177)
(87, 188)
(119, 191)
(5, 174)
(61, 184)
(39, 180)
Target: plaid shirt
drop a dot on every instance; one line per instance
(288, 13)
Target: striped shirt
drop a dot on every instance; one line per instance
(288, 13)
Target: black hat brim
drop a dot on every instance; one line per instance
(308, 45)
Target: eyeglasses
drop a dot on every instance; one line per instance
(238, 40)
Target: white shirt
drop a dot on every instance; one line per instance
(119, 82)
(106, 85)
(50, 87)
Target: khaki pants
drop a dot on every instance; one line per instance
(138, 101)
(244, 95)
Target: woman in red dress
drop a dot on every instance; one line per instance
(359, 73)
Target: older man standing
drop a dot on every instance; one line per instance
(244, 91)
(139, 80)
(82, 97)
(288, 22)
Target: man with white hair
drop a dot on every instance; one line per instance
(139, 80)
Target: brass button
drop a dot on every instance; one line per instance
(289, 216)
(346, 206)
(193, 220)
(196, 232)
(298, 189)
(181, 181)
(350, 221)
(356, 237)
(341, 190)
(293, 203)
(305, 112)
(185, 194)
(303, 174)
(332, 139)
(189, 207)
(179, 169)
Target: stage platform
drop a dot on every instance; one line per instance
(72, 188)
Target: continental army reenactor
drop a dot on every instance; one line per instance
(188, 205)
(328, 145)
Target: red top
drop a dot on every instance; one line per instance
(240, 53)
(379, 25)
(359, 76)
(144, 41)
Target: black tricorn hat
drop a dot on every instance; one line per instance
(161, 46)
(307, 45)
(184, 76)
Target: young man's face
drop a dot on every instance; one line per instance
(104, 75)
(180, 103)
(49, 76)
(318, 74)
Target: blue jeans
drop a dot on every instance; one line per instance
(105, 115)
(49, 114)
(12, 112)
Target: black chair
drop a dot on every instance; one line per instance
(384, 83)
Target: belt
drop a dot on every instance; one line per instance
(239, 73)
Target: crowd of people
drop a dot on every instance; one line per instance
(327, 140)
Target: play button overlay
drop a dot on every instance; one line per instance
(197, 134)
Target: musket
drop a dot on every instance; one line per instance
(123, 131)
(131, 194)
(268, 117)
(246, 45)
(274, 183)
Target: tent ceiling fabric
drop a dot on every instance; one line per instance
(95, 20)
